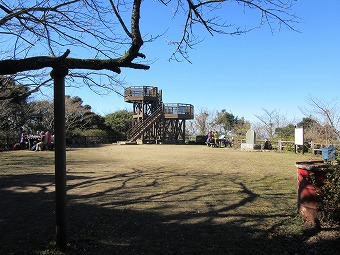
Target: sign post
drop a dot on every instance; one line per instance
(299, 138)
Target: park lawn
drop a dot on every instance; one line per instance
(159, 199)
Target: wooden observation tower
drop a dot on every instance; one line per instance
(153, 121)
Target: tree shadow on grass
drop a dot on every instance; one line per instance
(116, 225)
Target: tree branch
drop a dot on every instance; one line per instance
(35, 63)
(137, 41)
(12, 66)
(16, 93)
(120, 19)
(27, 10)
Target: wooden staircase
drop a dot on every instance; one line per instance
(138, 130)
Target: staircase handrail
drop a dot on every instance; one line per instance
(134, 132)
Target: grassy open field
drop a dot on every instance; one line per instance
(159, 199)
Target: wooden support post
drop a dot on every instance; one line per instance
(58, 74)
(183, 131)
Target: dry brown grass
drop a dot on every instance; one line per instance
(159, 199)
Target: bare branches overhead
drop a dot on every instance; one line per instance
(216, 18)
(107, 35)
(90, 30)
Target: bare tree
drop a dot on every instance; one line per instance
(41, 116)
(266, 125)
(76, 115)
(88, 35)
(327, 116)
(203, 121)
(269, 122)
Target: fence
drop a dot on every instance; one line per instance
(9, 143)
(84, 141)
(279, 145)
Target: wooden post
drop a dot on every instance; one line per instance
(58, 74)
(280, 145)
(183, 131)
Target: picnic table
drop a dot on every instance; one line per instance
(225, 141)
(221, 142)
(31, 140)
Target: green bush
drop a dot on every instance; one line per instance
(289, 147)
(89, 132)
(329, 204)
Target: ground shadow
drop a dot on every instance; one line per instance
(27, 223)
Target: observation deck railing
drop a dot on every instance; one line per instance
(184, 110)
(142, 92)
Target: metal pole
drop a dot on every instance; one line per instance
(58, 74)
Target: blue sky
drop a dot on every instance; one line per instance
(242, 74)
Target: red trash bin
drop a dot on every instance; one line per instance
(310, 177)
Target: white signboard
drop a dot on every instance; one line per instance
(299, 136)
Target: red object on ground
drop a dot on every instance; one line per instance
(310, 177)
